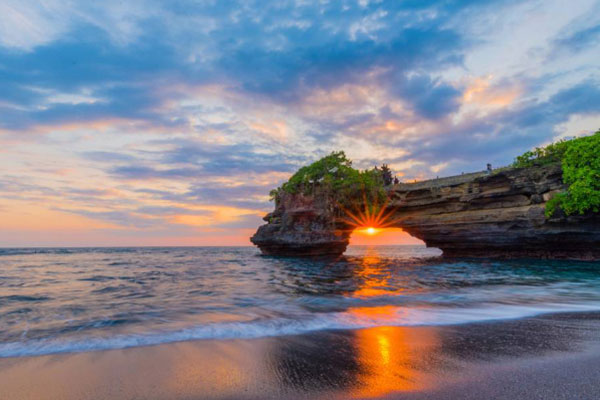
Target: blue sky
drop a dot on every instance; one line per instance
(148, 122)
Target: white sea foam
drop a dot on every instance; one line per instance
(353, 319)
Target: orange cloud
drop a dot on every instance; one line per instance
(23, 217)
(277, 130)
(218, 215)
(481, 92)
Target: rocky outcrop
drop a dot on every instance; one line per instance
(303, 225)
(497, 215)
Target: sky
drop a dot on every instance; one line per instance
(144, 122)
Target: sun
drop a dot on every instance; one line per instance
(371, 230)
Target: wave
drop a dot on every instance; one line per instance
(19, 251)
(21, 298)
(33, 250)
(360, 318)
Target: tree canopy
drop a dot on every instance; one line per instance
(334, 173)
(580, 161)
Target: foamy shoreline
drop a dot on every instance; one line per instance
(400, 362)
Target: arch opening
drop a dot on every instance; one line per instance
(374, 236)
(374, 222)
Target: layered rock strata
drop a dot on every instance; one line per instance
(497, 215)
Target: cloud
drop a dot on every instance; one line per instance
(256, 54)
(582, 34)
(502, 135)
(107, 156)
(430, 98)
(246, 196)
(29, 24)
(139, 172)
(177, 118)
(581, 39)
(25, 24)
(121, 218)
(182, 158)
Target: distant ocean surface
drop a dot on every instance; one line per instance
(67, 300)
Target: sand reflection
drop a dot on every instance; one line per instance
(391, 358)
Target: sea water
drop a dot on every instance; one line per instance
(55, 300)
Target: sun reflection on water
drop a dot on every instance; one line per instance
(389, 356)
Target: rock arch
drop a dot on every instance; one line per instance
(497, 215)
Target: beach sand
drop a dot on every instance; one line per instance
(546, 357)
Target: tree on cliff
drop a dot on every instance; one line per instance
(386, 174)
(334, 174)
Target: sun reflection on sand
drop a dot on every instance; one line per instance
(389, 356)
(390, 359)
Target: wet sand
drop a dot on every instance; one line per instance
(547, 357)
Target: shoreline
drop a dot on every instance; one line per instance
(236, 331)
(439, 362)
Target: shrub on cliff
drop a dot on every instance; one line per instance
(580, 161)
(552, 153)
(581, 172)
(334, 173)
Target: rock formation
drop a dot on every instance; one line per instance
(496, 215)
(303, 226)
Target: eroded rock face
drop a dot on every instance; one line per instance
(303, 226)
(498, 215)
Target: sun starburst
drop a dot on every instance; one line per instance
(371, 217)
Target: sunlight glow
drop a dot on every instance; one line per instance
(382, 236)
(373, 223)
(369, 215)
(389, 355)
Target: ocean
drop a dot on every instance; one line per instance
(57, 300)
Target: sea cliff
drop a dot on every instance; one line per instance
(493, 215)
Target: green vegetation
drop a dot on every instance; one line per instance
(335, 174)
(580, 161)
(553, 153)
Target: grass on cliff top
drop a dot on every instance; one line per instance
(580, 161)
(335, 175)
